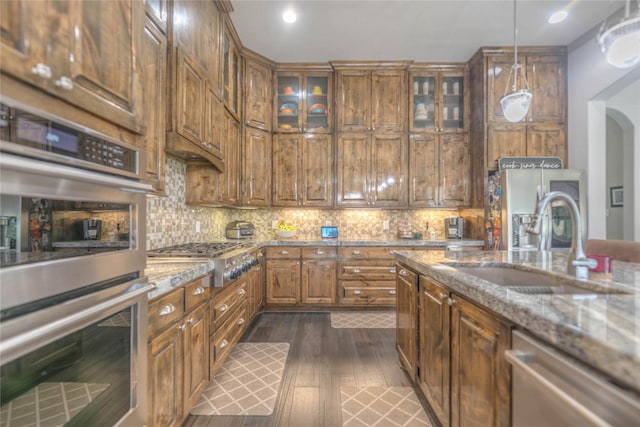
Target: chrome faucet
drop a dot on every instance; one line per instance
(577, 263)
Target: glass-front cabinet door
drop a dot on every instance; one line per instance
(437, 100)
(302, 102)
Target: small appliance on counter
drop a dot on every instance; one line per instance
(240, 230)
(92, 229)
(453, 227)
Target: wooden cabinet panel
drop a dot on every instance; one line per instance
(480, 383)
(166, 379)
(230, 71)
(379, 292)
(190, 94)
(196, 355)
(255, 291)
(256, 178)
(547, 140)
(455, 170)
(434, 344)
(283, 252)
(283, 281)
(353, 169)
(548, 83)
(229, 185)
(226, 301)
(257, 95)
(368, 252)
(202, 184)
(388, 170)
(389, 110)
(318, 282)
(498, 68)
(505, 141)
(196, 293)
(158, 12)
(154, 63)
(424, 170)
(407, 319)
(353, 98)
(287, 169)
(322, 252)
(165, 310)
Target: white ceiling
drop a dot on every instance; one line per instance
(420, 30)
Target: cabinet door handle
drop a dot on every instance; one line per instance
(356, 292)
(166, 309)
(41, 70)
(190, 321)
(64, 83)
(451, 301)
(403, 272)
(392, 292)
(223, 307)
(241, 321)
(356, 270)
(319, 252)
(182, 327)
(442, 296)
(198, 291)
(241, 292)
(356, 252)
(223, 344)
(284, 252)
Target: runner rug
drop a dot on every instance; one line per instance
(49, 404)
(247, 382)
(382, 407)
(373, 319)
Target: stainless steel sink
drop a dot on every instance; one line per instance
(530, 282)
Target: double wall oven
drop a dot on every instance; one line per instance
(72, 303)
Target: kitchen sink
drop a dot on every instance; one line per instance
(531, 282)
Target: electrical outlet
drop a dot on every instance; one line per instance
(385, 225)
(328, 223)
(197, 226)
(274, 224)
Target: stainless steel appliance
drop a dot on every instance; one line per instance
(72, 311)
(231, 259)
(92, 228)
(521, 190)
(453, 227)
(240, 230)
(552, 390)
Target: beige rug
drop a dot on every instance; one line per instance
(355, 319)
(247, 382)
(382, 407)
(49, 404)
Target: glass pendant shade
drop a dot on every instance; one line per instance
(621, 43)
(515, 105)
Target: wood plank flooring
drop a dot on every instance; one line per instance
(321, 359)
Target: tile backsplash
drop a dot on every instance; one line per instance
(171, 222)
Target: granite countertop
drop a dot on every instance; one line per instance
(314, 241)
(168, 275)
(602, 330)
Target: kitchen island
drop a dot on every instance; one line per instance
(600, 329)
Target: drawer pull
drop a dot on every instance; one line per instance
(41, 70)
(319, 252)
(284, 252)
(182, 327)
(393, 270)
(190, 321)
(356, 252)
(198, 291)
(223, 307)
(356, 270)
(392, 292)
(166, 309)
(241, 321)
(223, 344)
(442, 296)
(403, 272)
(241, 292)
(356, 292)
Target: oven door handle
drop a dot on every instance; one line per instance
(519, 361)
(63, 319)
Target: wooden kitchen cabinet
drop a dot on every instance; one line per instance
(369, 96)
(257, 91)
(178, 352)
(256, 284)
(303, 99)
(462, 371)
(302, 170)
(283, 275)
(407, 319)
(439, 170)
(372, 170)
(85, 53)
(229, 180)
(438, 98)
(256, 177)
(366, 276)
(318, 277)
(154, 64)
(231, 69)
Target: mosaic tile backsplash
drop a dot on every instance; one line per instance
(171, 222)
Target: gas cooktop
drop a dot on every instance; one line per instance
(196, 250)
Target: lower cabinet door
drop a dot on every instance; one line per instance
(196, 355)
(165, 378)
(318, 282)
(283, 282)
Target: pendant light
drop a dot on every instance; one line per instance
(621, 43)
(515, 104)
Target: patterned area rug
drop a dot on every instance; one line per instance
(354, 319)
(382, 407)
(49, 404)
(247, 382)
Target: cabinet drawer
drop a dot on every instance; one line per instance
(165, 310)
(360, 293)
(223, 340)
(223, 304)
(283, 252)
(367, 252)
(320, 252)
(196, 292)
(367, 270)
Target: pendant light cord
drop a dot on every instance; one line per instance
(515, 35)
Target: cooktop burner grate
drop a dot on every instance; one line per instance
(196, 250)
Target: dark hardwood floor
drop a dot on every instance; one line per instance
(321, 359)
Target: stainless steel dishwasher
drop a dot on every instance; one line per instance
(551, 389)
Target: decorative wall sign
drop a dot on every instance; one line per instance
(505, 163)
(617, 197)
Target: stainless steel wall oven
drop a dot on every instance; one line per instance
(73, 305)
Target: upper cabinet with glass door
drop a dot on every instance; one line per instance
(303, 102)
(437, 99)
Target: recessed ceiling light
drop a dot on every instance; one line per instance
(558, 16)
(289, 16)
